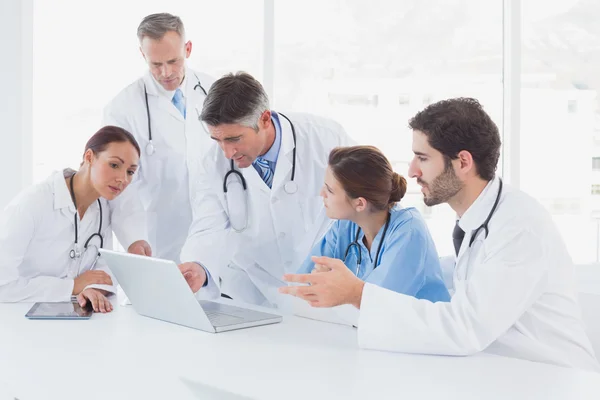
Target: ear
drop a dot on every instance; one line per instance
(88, 157)
(360, 204)
(188, 48)
(142, 53)
(264, 120)
(464, 164)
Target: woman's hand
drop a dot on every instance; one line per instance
(98, 300)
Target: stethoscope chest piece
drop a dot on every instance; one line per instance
(150, 148)
(290, 187)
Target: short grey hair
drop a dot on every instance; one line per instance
(155, 26)
(235, 99)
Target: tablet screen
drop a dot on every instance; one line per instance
(65, 310)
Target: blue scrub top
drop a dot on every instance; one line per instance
(408, 262)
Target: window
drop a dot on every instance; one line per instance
(404, 99)
(560, 110)
(372, 67)
(369, 67)
(81, 63)
(572, 106)
(345, 99)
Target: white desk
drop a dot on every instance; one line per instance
(125, 356)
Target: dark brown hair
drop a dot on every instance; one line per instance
(363, 171)
(107, 135)
(454, 125)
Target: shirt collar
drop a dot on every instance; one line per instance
(169, 93)
(476, 214)
(394, 213)
(272, 154)
(62, 196)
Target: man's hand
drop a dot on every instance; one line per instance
(194, 274)
(141, 247)
(90, 278)
(334, 286)
(320, 268)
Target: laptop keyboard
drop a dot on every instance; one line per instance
(219, 319)
(224, 315)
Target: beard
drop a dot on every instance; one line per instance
(443, 188)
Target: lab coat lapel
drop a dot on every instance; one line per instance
(193, 101)
(166, 104)
(463, 258)
(471, 220)
(286, 155)
(198, 140)
(254, 181)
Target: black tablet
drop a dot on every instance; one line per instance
(64, 310)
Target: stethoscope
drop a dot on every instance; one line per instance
(290, 187)
(359, 255)
(74, 253)
(150, 149)
(484, 226)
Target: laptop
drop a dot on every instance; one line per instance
(157, 289)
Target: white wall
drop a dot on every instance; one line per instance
(16, 42)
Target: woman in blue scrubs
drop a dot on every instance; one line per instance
(375, 237)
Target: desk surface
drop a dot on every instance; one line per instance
(126, 356)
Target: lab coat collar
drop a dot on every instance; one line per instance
(155, 89)
(273, 153)
(286, 156)
(62, 196)
(287, 138)
(480, 209)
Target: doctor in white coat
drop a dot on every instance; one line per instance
(514, 287)
(257, 211)
(51, 232)
(161, 110)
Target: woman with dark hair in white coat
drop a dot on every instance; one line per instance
(51, 232)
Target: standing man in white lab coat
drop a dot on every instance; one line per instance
(257, 211)
(161, 110)
(514, 286)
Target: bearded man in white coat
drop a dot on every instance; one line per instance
(514, 285)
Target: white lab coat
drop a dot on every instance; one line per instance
(37, 233)
(162, 183)
(514, 294)
(282, 227)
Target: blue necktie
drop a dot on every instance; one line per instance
(264, 169)
(179, 102)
